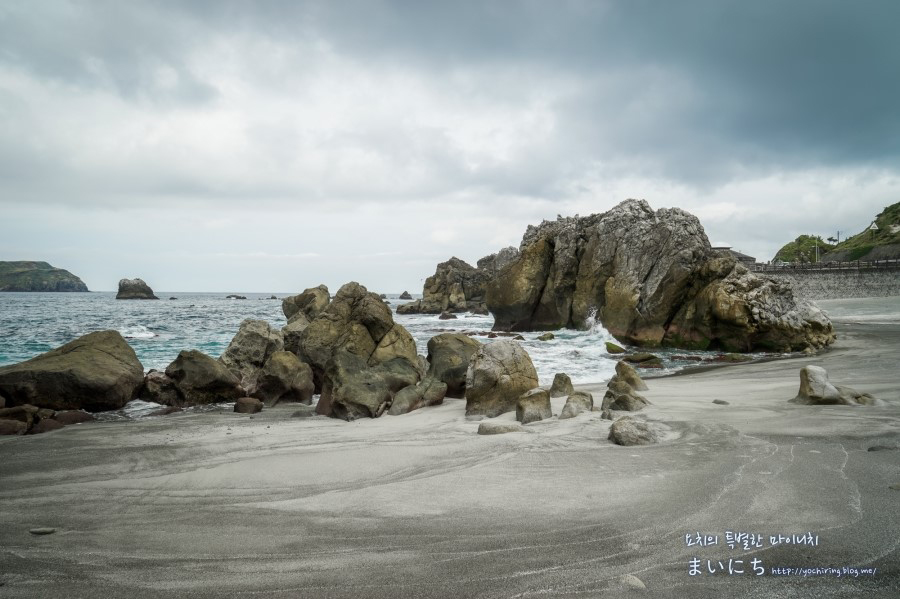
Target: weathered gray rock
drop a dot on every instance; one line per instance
(406, 400)
(546, 337)
(491, 427)
(134, 289)
(533, 405)
(353, 390)
(816, 389)
(576, 403)
(448, 358)
(200, 379)
(307, 305)
(562, 385)
(160, 389)
(96, 372)
(629, 375)
(652, 279)
(721, 402)
(291, 332)
(623, 402)
(248, 405)
(284, 377)
(405, 296)
(447, 316)
(632, 431)
(429, 392)
(250, 349)
(498, 374)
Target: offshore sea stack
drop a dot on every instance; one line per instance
(457, 286)
(135, 289)
(652, 279)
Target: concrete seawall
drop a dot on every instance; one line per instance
(840, 284)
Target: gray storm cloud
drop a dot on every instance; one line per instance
(450, 125)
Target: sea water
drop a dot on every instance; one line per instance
(32, 323)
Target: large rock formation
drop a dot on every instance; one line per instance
(652, 279)
(250, 349)
(134, 289)
(457, 286)
(96, 372)
(359, 356)
(200, 379)
(448, 358)
(37, 276)
(499, 373)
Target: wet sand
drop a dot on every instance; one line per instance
(215, 504)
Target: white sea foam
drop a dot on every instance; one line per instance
(137, 332)
(580, 354)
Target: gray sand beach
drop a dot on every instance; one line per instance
(221, 504)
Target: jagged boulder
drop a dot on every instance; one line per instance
(96, 372)
(448, 359)
(429, 392)
(533, 405)
(622, 396)
(498, 374)
(653, 279)
(405, 296)
(576, 403)
(284, 377)
(816, 389)
(356, 351)
(562, 385)
(159, 388)
(135, 289)
(308, 304)
(200, 379)
(629, 375)
(250, 349)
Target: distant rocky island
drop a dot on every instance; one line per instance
(37, 276)
(135, 289)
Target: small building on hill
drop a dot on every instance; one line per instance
(748, 261)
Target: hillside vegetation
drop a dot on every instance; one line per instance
(872, 245)
(803, 249)
(37, 276)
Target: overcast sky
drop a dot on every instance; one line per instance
(273, 146)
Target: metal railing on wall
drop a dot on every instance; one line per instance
(827, 266)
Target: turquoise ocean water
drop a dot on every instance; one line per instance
(32, 323)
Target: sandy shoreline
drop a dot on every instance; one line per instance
(206, 505)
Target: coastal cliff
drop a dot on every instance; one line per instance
(652, 279)
(37, 276)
